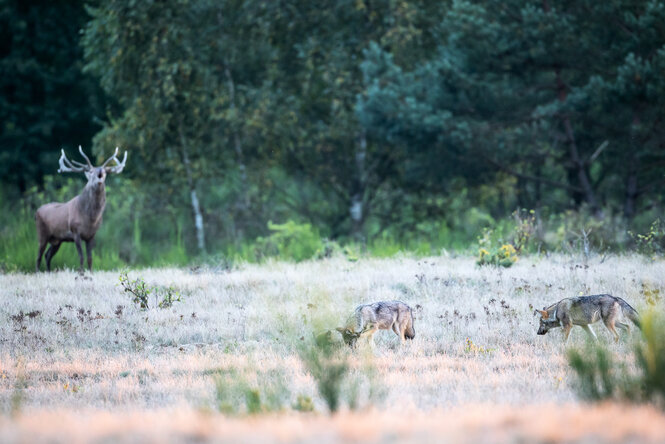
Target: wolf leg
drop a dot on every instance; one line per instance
(623, 326)
(609, 323)
(369, 336)
(399, 331)
(590, 331)
(566, 332)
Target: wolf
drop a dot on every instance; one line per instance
(586, 310)
(367, 319)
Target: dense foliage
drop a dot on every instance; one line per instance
(389, 124)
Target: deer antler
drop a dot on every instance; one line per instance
(119, 165)
(72, 166)
(85, 157)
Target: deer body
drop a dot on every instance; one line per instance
(79, 219)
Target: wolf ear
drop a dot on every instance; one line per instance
(544, 314)
(340, 329)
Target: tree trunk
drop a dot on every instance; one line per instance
(578, 165)
(631, 193)
(357, 208)
(196, 208)
(242, 204)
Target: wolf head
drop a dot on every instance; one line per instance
(348, 335)
(546, 322)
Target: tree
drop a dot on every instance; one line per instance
(512, 84)
(47, 103)
(317, 73)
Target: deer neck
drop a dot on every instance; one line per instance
(92, 201)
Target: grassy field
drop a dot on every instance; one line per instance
(80, 361)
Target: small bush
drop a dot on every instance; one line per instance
(652, 243)
(600, 377)
(140, 292)
(504, 256)
(236, 395)
(138, 289)
(338, 380)
(304, 404)
(170, 295)
(329, 367)
(525, 227)
(290, 241)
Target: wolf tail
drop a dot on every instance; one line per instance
(410, 332)
(630, 312)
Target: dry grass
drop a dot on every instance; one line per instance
(475, 369)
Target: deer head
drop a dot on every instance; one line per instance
(96, 175)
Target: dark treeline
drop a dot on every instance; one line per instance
(366, 119)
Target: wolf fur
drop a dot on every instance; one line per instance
(586, 310)
(367, 319)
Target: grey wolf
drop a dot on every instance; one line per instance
(367, 319)
(586, 310)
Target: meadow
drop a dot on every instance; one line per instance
(224, 357)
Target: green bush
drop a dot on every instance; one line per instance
(338, 381)
(303, 404)
(289, 241)
(137, 288)
(651, 243)
(329, 367)
(601, 377)
(140, 292)
(236, 395)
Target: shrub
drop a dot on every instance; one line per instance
(170, 295)
(329, 367)
(235, 394)
(304, 404)
(600, 377)
(504, 256)
(525, 227)
(138, 289)
(338, 381)
(289, 241)
(652, 243)
(141, 291)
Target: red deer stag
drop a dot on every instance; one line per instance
(80, 218)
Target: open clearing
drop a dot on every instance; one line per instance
(79, 361)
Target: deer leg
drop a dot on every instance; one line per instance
(88, 249)
(42, 247)
(53, 249)
(77, 241)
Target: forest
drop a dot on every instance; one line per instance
(294, 129)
